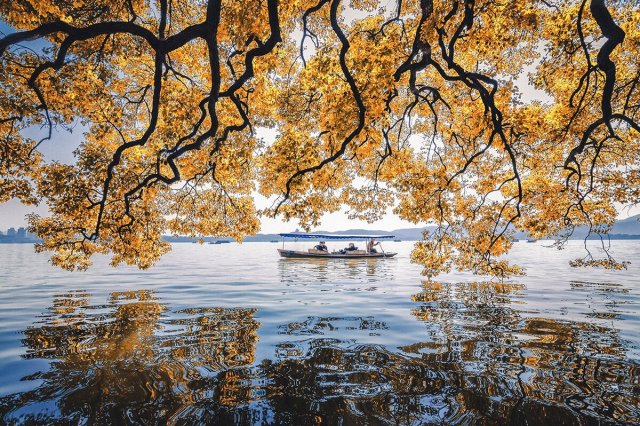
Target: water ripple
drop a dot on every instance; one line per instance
(253, 339)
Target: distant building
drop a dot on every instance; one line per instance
(21, 236)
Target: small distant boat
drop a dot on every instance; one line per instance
(219, 242)
(342, 254)
(274, 241)
(397, 241)
(531, 240)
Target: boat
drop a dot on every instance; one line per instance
(313, 254)
(342, 254)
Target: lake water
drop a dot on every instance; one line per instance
(232, 334)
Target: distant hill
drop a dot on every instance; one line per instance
(625, 229)
(408, 234)
(628, 226)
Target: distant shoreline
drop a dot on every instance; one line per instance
(18, 241)
(262, 238)
(273, 238)
(625, 229)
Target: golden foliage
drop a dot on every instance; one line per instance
(415, 107)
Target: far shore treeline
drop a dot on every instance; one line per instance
(626, 229)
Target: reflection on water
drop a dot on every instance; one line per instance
(128, 362)
(609, 297)
(332, 270)
(506, 364)
(136, 360)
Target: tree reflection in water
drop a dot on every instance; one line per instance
(125, 363)
(507, 366)
(132, 361)
(334, 271)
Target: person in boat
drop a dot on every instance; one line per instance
(351, 247)
(322, 246)
(370, 245)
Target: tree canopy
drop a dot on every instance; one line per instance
(408, 105)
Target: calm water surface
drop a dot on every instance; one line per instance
(230, 334)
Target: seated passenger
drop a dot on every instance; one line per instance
(346, 250)
(322, 246)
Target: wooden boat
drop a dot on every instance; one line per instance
(319, 254)
(342, 254)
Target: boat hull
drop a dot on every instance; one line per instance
(294, 254)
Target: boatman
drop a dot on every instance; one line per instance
(370, 245)
(322, 246)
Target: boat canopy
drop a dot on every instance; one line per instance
(336, 237)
